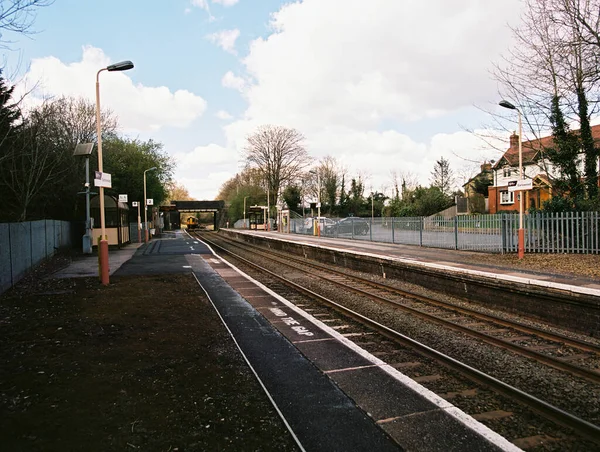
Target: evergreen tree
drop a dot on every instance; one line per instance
(292, 195)
(442, 176)
(564, 153)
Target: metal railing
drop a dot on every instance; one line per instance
(572, 232)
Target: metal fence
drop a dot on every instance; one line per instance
(24, 245)
(573, 232)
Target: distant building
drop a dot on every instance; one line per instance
(475, 189)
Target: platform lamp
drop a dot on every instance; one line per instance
(103, 245)
(85, 150)
(319, 199)
(245, 197)
(146, 204)
(521, 232)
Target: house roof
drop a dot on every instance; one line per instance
(532, 148)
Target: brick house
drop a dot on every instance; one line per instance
(535, 167)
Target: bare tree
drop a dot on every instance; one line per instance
(38, 172)
(17, 16)
(279, 154)
(553, 70)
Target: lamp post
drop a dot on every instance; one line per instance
(245, 197)
(319, 202)
(146, 204)
(103, 246)
(521, 232)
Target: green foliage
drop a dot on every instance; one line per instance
(126, 160)
(477, 203)
(481, 183)
(40, 177)
(442, 176)
(564, 154)
(420, 202)
(292, 195)
(590, 150)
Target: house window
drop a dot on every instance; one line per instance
(507, 197)
(506, 171)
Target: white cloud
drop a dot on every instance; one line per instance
(226, 3)
(225, 39)
(379, 59)
(222, 114)
(230, 80)
(354, 80)
(138, 107)
(358, 79)
(202, 4)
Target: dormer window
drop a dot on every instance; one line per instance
(506, 171)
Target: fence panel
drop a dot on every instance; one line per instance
(23, 245)
(20, 249)
(38, 241)
(572, 232)
(439, 232)
(5, 257)
(479, 233)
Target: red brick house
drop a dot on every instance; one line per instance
(535, 167)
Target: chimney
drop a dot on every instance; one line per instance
(514, 141)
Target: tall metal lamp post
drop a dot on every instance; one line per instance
(146, 204)
(521, 232)
(319, 201)
(245, 197)
(103, 246)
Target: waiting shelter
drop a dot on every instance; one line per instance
(116, 215)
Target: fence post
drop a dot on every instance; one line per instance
(503, 232)
(421, 231)
(455, 232)
(393, 230)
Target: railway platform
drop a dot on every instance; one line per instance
(458, 262)
(331, 394)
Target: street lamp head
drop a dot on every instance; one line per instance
(120, 66)
(151, 169)
(506, 104)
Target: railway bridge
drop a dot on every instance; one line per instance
(172, 213)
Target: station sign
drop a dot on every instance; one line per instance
(102, 179)
(519, 185)
(122, 198)
(149, 202)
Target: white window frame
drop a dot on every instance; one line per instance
(509, 194)
(507, 171)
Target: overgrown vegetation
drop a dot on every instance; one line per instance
(39, 176)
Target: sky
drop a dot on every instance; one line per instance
(383, 86)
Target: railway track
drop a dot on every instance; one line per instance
(578, 357)
(442, 313)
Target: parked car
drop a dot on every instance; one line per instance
(324, 222)
(350, 225)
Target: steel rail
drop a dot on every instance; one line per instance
(582, 427)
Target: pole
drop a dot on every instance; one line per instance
(303, 213)
(87, 243)
(521, 246)
(139, 225)
(245, 197)
(145, 210)
(319, 206)
(103, 245)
